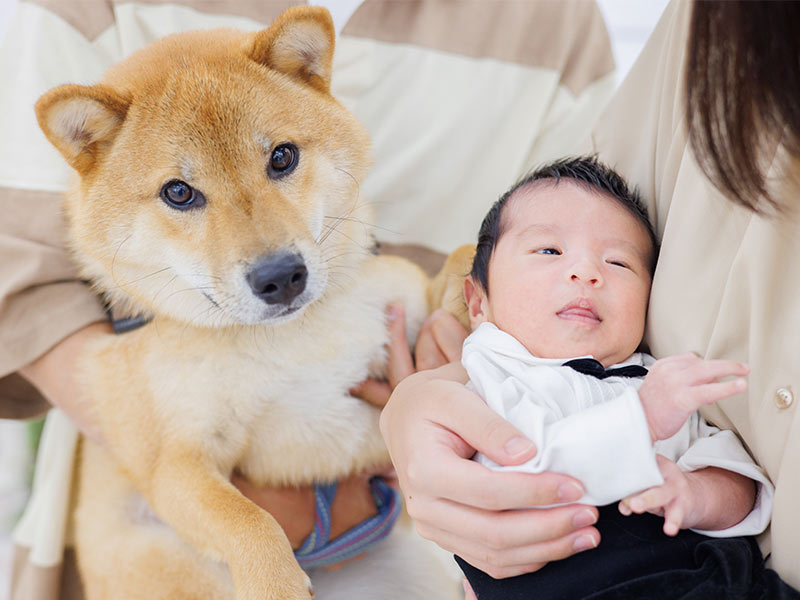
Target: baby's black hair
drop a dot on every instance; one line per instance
(584, 170)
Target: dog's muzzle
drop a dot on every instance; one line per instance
(278, 278)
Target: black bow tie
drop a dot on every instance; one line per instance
(589, 366)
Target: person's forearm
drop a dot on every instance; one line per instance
(54, 375)
(295, 510)
(724, 498)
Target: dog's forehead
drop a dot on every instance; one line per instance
(208, 75)
(205, 100)
(228, 96)
(226, 113)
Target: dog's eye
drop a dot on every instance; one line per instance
(283, 160)
(179, 194)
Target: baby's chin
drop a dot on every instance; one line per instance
(569, 349)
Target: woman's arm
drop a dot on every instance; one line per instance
(55, 375)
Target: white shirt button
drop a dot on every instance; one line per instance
(784, 397)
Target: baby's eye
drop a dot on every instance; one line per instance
(618, 263)
(553, 251)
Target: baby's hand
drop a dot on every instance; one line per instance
(678, 500)
(677, 386)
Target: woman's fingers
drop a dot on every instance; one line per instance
(503, 562)
(449, 334)
(461, 411)
(400, 363)
(469, 594)
(505, 529)
(470, 483)
(435, 466)
(374, 391)
(439, 340)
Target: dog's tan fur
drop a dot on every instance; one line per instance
(220, 380)
(446, 289)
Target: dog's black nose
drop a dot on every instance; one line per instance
(278, 278)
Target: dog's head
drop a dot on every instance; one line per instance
(218, 178)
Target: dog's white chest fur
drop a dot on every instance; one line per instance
(274, 401)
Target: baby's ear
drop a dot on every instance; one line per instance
(80, 121)
(475, 298)
(300, 44)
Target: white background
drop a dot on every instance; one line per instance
(629, 23)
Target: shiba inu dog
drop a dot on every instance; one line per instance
(218, 195)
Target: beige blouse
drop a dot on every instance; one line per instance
(727, 281)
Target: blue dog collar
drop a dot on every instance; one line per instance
(319, 551)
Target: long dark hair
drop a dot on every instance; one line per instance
(743, 93)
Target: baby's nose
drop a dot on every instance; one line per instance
(585, 272)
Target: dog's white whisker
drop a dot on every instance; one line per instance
(371, 226)
(132, 281)
(162, 288)
(114, 258)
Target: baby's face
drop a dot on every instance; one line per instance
(570, 274)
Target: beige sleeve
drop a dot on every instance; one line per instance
(41, 299)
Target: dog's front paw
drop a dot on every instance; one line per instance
(288, 582)
(300, 588)
(293, 582)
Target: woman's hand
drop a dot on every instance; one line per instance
(439, 342)
(469, 594)
(432, 425)
(399, 363)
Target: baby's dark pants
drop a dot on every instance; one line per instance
(636, 560)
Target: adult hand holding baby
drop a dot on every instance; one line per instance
(432, 426)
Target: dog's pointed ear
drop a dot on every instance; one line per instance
(80, 121)
(300, 44)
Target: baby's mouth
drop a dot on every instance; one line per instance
(580, 310)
